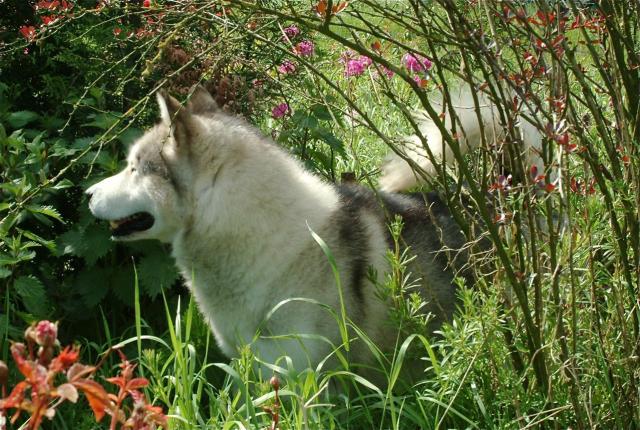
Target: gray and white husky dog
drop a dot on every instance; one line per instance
(238, 210)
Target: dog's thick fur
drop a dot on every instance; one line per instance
(398, 175)
(238, 211)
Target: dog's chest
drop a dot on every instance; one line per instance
(233, 316)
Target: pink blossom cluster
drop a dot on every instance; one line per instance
(291, 32)
(287, 67)
(354, 65)
(304, 48)
(280, 110)
(419, 65)
(416, 63)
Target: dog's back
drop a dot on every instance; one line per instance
(434, 241)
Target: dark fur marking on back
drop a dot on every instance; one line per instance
(354, 236)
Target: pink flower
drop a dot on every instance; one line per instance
(366, 61)
(304, 48)
(291, 31)
(279, 111)
(286, 67)
(46, 333)
(416, 63)
(354, 65)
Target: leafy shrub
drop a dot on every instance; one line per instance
(41, 393)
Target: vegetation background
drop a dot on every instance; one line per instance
(549, 334)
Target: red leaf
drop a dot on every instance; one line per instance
(16, 397)
(549, 187)
(136, 383)
(29, 32)
(65, 359)
(117, 380)
(321, 7)
(563, 139)
(575, 185)
(96, 395)
(25, 366)
(339, 7)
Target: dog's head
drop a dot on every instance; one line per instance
(147, 200)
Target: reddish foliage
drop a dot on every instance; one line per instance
(322, 6)
(38, 396)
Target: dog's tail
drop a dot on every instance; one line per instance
(398, 175)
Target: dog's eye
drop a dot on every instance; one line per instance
(133, 169)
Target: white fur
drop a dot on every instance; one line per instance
(398, 175)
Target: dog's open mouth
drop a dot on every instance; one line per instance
(139, 221)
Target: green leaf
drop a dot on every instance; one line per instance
(12, 331)
(93, 285)
(156, 271)
(62, 184)
(4, 272)
(21, 118)
(73, 242)
(33, 295)
(321, 112)
(129, 135)
(48, 211)
(49, 244)
(103, 120)
(83, 142)
(7, 222)
(330, 139)
(121, 283)
(304, 120)
(98, 237)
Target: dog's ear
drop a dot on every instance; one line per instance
(201, 102)
(177, 117)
